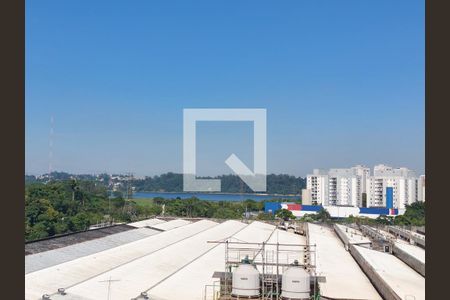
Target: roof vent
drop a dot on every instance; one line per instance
(62, 291)
(45, 296)
(246, 260)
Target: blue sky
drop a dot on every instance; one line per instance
(342, 82)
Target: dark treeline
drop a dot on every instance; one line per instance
(173, 182)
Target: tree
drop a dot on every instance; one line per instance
(285, 214)
(402, 220)
(252, 205)
(79, 222)
(265, 216)
(308, 218)
(323, 215)
(385, 220)
(38, 231)
(414, 215)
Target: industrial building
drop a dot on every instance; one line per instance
(217, 260)
(300, 210)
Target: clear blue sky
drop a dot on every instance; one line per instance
(342, 82)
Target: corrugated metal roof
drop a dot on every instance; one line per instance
(64, 240)
(146, 272)
(147, 222)
(179, 271)
(178, 263)
(73, 272)
(50, 258)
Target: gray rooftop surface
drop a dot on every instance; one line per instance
(56, 242)
(42, 260)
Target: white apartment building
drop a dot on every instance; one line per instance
(346, 186)
(356, 187)
(338, 186)
(402, 180)
(317, 183)
(306, 197)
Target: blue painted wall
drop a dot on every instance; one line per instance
(389, 197)
(272, 207)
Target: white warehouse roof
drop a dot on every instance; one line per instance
(42, 260)
(189, 282)
(178, 262)
(171, 224)
(400, 277)
(344, 278)
(81, 269)
(147, 222)
(412, 250)
(148, 271)
(353, 235)
(170, 265)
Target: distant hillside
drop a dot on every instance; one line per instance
(172, 182)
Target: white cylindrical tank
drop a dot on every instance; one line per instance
(245, 281)
(295, 284)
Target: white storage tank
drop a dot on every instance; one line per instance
(245, 283)
(295, 284)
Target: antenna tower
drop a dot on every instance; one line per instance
(50, 146)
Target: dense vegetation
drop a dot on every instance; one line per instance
(322, 216)
(285, 214)
(65, 206)
(193, 207)
(413, 216)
